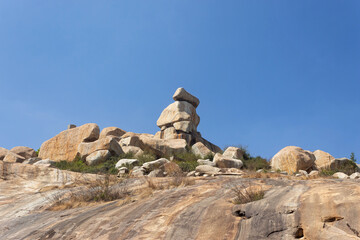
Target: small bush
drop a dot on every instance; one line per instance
(187, 166)
(209, 156)
(146, 157)
(248, 194)
(348, 168)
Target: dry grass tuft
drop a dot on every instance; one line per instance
(245, 194)
(105, 188)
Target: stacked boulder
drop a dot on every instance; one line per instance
(179, 120)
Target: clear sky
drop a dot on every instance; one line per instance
(268, 73)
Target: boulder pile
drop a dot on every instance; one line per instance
(179, 120)
(294, 159)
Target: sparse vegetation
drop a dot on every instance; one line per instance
(104, 189)
(253, 163)
(352, 157)
(245, 194)
(349, 167)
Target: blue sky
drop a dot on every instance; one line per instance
(268, 73)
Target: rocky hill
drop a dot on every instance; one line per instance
(113, 184)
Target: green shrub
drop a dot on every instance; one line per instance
(256, 163)
(348, 168)
(187, 166)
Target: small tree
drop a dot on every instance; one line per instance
(352, 157)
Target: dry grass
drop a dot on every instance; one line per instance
(176, 181)
(105, 188)
(245, 194)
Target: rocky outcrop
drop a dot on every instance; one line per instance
(226, 162)
(233, 152)
(292, 159)
(97, 157)
(207, 169)
(182, 95)
(322, 159)
(64, 146)
(13, 158)
(3, 152)
(106, 143)
(201, 150)
(126, 162)
(179, 121)
(25, 152)
(112, 131)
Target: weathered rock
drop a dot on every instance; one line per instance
(200, 149)
(292, 159)
(124, 162)
(3, 152)
(64, 146)
(70, 126)
(131, 139)
(191, 174)
(106, 143)
(206, 162)
(314, 173)
(322, 159)
(97, 157)
(155, 164)
(182, 95)
(355, 175)
(138, 172)
(156, 173)
(13, 157)
(44, 162)
(233, 152)
(176, 112)
(163, 147)
(185, 126)
(302, 172)
(25, 152)
(340, 175)
(112, 131)
(31, 160)
(136, 151)
(123, 170)
(224, 162)
(206, 169)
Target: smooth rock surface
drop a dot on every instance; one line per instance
(155, 164)
(340, 175)
(206, 169)
(124, 162)
(206, 162)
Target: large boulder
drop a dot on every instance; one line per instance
(176, 112)
(3, 152)
(136, 151)
(64, 146)
(13, 157)
(340, 175)
(25, 152)
(106, 143)
(233, 152)
(162, 147)
(182, 95)
(200, 149)
(344, 164)
(97, 157)
(205, 162)
(292, 159)
(112, 131)
(322, 159)
(225, 162)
